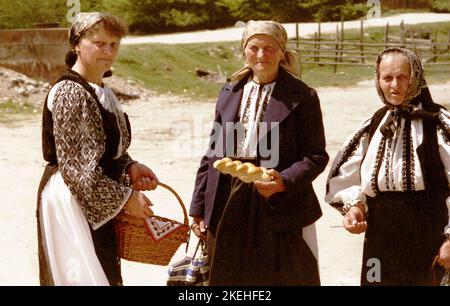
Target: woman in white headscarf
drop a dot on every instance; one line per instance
(263, 233)
(85, 140)
(391, 178)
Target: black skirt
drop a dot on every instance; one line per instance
(245, 250)
(404, 234)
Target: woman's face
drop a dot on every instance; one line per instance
(395, 77)
(98, 51)
(263, 56)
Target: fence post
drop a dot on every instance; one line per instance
(315, 46)
(435, 53)
(448, 45)
(386, 36)
(432, 46)
(361, 41)
(337, 49)
(319, 39)
(402, 34)
(413, 40)
(342, 39)
(297, 44)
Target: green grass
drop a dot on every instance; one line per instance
(172, 68)
(322, 76)
(11, 111)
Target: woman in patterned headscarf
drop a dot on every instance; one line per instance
(391, 179)
(85, 140)
(263, 233)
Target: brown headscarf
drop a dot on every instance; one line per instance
(275, 30)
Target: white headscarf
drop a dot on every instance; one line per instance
(275, 30)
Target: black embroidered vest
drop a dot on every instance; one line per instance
(112, 168)
(434, 176)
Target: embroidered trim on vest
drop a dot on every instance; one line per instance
(444, 136)
(350, 149)
(378, 162)
(388, 176)
(407, 157)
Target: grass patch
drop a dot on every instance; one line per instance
(11, 111)
(172, 68)
(322, 76)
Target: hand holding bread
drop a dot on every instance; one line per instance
(247, 172)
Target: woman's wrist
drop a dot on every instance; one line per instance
(359, 204)
(447, 232)
(362, 206)
(128, 165)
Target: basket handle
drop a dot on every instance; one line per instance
(186, 221)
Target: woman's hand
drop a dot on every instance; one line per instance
(267, 189)
(354, 220)
(138, 205)
(444, 254)
(198, 227)
(142, 177)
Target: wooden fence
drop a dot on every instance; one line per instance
(357, 52)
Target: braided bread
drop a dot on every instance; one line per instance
(246, 172)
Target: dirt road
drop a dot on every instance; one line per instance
(161, 127)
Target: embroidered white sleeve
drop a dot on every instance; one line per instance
(80, 144)
(344, 181)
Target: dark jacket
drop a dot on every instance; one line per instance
(302, 155)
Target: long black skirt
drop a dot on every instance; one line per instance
(245, 250)
(404, 234)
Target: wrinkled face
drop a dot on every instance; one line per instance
(395, 77)
(263, 56)
(98, 50)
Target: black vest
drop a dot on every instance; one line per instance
(434, 176)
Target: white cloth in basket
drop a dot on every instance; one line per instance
(159, 229)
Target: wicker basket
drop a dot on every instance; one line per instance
(136, 239)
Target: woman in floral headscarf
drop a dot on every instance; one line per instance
(85, 140)
(391, 179)
(263, 233)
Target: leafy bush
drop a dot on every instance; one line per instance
(441, 6)
(333, 11)
(24, 14)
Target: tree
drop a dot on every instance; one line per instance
(24, 14)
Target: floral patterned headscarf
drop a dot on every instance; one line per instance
(417, 82)
(82, 23)
(417, 93)
(85, 22)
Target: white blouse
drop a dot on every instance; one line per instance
(255, 100)
(353, 174)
